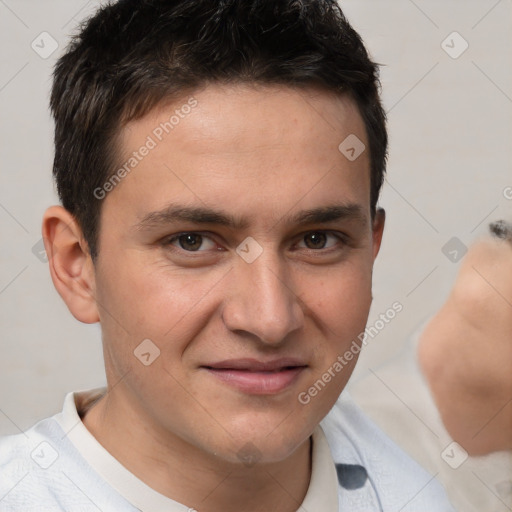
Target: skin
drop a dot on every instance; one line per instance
(465, 351)
(262, 154)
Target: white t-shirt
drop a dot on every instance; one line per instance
(58, 465)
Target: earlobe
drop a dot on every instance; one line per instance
(71, 267)
(378, 230)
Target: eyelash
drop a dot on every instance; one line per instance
(167, 242)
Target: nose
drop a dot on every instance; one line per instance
(262, 301)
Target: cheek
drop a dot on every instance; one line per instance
(342, 300)
(342, 303)
(152, 300)
(170, 307)
(165, 306)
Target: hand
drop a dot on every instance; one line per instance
(465, 351)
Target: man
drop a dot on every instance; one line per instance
(219, 165)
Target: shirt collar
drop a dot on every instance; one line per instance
(322, 493)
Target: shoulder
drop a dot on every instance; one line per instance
(25, 468)
(393, 480)
(41, 469)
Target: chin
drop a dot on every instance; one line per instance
(270, 440)
(256, 442)
(265, 451)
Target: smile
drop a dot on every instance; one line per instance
(257, 377)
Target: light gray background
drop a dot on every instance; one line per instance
(450, 123)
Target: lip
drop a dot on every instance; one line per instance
(257, 377)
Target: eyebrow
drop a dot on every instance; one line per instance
(201, 215)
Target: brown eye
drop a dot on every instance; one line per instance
(316, 240)
(190, 242)
(319, 239)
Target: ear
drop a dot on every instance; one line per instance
(378, 229)
(71, 266)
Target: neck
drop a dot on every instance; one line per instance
(186, 474)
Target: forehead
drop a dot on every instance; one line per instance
(248, 147)
(246, 116)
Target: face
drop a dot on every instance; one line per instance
(241, 246)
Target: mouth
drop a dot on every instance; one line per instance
(257, 377)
